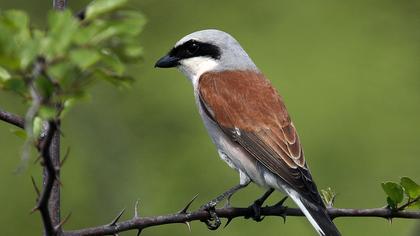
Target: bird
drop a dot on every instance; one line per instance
(248, 122)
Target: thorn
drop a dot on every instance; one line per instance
(188, 225)
(139, 232)
(38, 193)
(65, 157)
(37, 159)
(280, 203)
(62, 222)
(58, 180)
(284, 218)
(136, 209)
(60, 132)
(184, 210)
(228, 222)
(114, 222)
(34, 209)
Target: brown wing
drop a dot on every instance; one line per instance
(251, 112)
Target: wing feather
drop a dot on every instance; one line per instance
(245, 101)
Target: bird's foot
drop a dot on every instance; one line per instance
(227, 204)
(213, 222)
(256, 208)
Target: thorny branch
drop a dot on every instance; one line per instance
(140, 223)
(48, 202)
(50, 178)
(12, 119)
(54, 204)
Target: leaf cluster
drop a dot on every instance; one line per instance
(67, 56)
(395, 193)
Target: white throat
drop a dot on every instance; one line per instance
(194, 67)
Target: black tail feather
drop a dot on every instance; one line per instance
(321, 218)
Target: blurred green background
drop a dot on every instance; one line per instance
(349, 72)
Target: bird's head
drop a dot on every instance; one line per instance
(204, 51)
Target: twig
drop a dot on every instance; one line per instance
(65, 157)
(230, 213)
(12, 119)
(411, 201)
(50, 176)
(59, 4)
(63, 222)
(54, 202)
(38, 193)
(49, 202)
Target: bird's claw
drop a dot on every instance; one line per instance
(257, 212)
(213, 222)
(256, 208)
(208, 206)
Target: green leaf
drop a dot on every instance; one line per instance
(415, 205)
(133, 51)
(14, 37)
(125, 25)
(62, 70)
(18, 20)
(84, 57)
(44, 86)
(62, 27)
(37, 126)
(4, 74)
(29, 52)
(328, 195)
(120, 81)
(84, 35)
(112, 64)
(100, 7)
(69, 77)
(68, 104)
(391, 203)
(106, 33)
(411, 188)
(46, 112)
(394, 192)
(128, 22)
(19, 133)
(14, 85)
(10, 62)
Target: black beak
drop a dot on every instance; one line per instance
(167, 62)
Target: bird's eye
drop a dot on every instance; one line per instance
(192, 48)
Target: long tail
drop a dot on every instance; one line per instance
(316, 214)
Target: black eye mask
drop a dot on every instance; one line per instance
(193, 48)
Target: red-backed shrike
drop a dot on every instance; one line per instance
(247, 121)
